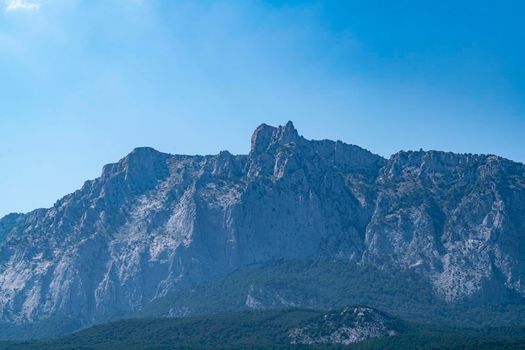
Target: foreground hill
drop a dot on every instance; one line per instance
(352, 327)
(155, 224)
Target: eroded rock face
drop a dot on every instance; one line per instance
(154, 222)
(454, 218)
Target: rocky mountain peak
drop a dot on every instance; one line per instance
(266, 136)
(261, 138)
(140, 169)
(287, 134)
(142, 157)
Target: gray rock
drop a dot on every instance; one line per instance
(155, 222)
(351, 325)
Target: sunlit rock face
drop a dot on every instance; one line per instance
(154, 222)
(457, 219)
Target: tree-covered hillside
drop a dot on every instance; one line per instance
(329, 284)
(279, 330)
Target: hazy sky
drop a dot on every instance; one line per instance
(83, 82)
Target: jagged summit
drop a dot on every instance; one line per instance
(265, 136)
(287, 133)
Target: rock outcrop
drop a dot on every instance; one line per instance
(351, 325)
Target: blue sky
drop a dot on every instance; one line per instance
(83, 82)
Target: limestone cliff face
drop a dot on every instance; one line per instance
(154, 222)
(458, 219)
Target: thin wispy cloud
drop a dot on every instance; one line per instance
(21, 5)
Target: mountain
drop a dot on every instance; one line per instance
(155, 224)
(355, 327)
